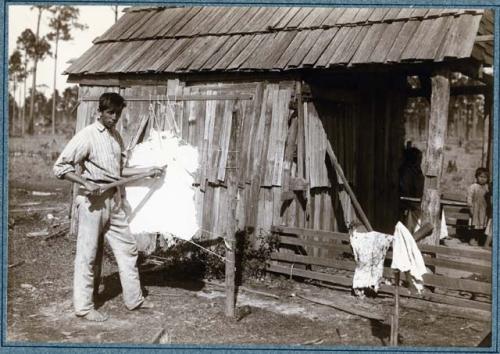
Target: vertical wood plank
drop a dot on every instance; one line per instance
(170, 121)
(270, 123)
(192, 122)
(307, 140)
(215, 150)
(317, 210)
(248, 118)
(207, 140)
(240, 210)
(260, 152)
(216, 227)
(223, 210)
(290, 149)
(179, 113)
(277, 218)
(268, 162)
(268, 211)
(183, 107)
(284, 101)
(199, 198)
(224, 141)
(208, 208)
(301, 131)
(200, 114)
(256, 108)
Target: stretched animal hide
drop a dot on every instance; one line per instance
(163, 205)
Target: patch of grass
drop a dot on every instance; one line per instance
(38, 143)
(31, 159)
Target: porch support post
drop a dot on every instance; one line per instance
(488, 132)
(436, 134)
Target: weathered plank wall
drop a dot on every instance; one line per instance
(205, 123)
(271, 190)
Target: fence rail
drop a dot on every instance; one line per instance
(327, 257)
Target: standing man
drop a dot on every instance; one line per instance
(99, 150)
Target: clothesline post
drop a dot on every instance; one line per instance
(395, 316)
(231, 227)
(230, 278)
(423, 232)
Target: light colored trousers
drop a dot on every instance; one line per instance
(98, 218)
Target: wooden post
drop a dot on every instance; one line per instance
(488, 132)
(301, 132)
(253, 203)
(231, 227)
(301, 151)
(395, 316)
(436, 133)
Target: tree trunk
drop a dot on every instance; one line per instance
(54, 97)
(12, 117)
(20, 111)
(436, 134)
(30, 127)
(23, 113)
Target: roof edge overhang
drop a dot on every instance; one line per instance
(468, 66)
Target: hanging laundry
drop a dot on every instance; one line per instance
(369, 250)
(164, 205)
(406, 256)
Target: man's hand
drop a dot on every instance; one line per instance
(157, 171)
(91, 189)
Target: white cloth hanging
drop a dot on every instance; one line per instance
(170, 208)
(369, 250)
(406, 256)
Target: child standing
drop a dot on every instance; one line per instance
(476, 200)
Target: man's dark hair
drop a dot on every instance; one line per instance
(480, 171)
(111, 100)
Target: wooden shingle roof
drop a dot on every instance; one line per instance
(194, 39)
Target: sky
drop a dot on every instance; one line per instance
(97, 18)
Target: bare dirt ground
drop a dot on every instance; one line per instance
(188, 310)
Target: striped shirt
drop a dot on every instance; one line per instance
(99, 151)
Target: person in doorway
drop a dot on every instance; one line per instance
(411, 184)
(99, 150)
(478, 206)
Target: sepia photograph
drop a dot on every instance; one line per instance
(244, 176)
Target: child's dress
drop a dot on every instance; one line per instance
(476, 199)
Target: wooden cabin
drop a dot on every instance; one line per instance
(265, 93)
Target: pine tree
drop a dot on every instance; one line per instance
(63, 20)
(40, 50)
